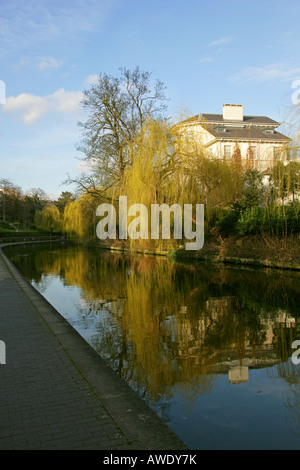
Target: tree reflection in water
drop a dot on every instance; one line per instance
(162, 324)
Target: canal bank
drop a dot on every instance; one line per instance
(252, 251)
(56, 391)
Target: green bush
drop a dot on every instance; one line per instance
(281, 220)
(226, 224)
(250, 221)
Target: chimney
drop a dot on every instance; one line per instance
(233, 112)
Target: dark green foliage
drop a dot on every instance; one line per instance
(282, 220)
(226, 225)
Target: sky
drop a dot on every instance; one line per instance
(206, 53)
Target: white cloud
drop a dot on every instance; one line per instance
(33, 107)
(30, 108)
(267, 73)
(66, 101)
(91, 79)
(44, 64)
(221, 41)
(48, 63)
(84, 167)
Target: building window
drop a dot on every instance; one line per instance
(227, 151)
(276, 154)
(253, 151)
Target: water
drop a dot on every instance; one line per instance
(208, 347)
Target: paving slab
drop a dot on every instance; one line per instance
(56, 392)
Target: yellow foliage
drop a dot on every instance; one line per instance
(48, 219)
(165, 168)
(79, 219)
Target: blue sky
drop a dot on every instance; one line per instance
(206, 53)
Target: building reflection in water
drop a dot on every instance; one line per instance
(197, 341)
(161, 323)
(238, 374)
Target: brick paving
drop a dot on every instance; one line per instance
(55, 391)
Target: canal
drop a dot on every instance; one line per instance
(208, 347)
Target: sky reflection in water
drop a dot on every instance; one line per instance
(208, 347)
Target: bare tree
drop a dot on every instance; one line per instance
(117, 108)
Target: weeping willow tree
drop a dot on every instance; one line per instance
(169, 169)
(79, 219)
(154, 176)
(48, 219)
(218, 183)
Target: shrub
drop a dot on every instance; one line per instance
(281, 220)
(227, 222)
(250, 221)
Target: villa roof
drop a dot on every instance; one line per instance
(253, 128)
(236, 133)
(264, 120)
(218, 118)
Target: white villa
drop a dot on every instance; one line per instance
(259, 144)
